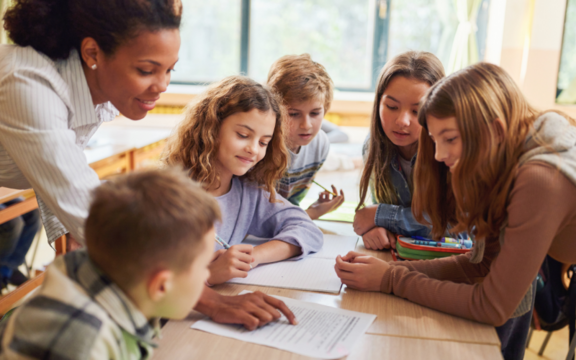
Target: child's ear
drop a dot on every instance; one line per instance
(499, 127)
(160, 284)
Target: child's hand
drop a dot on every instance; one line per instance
(326, 203)
(231, 263)
(360, 272)
(379, 238)
(364, 219)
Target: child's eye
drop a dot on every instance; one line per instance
(242, 136)
(169, 71)
(293, 114)
(144, 72)
(263, 144)
(451, 140)
(391, 107)
(415, 112)
(315, 113)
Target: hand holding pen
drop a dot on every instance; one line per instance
(230, 262)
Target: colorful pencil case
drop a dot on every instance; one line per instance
(406, 250)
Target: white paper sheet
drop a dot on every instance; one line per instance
(315, 272)
(322, 332)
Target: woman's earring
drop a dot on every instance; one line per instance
(94, 67)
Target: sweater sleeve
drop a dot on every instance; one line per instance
(537, 212)
(457, 269)
(283, 221)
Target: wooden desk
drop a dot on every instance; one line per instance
(21, 208)
(402, 329)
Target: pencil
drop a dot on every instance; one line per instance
(324, 188)
(223, 243)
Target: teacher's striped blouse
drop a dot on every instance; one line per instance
(46, 119)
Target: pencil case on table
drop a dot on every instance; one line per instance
(406, 250)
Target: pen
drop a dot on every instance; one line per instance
(438, 244)
(324, 188)
(467, 244)
(223, 243)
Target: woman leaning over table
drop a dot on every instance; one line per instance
(74, 66)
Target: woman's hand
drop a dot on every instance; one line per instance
(378, 239)
(231, 263)
(359, 271)
(364, 219)
(326, 203)
(251, 310)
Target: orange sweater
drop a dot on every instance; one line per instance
(541, 220)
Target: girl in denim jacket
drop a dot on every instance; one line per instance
(390, 150)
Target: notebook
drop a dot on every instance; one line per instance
(313, 273)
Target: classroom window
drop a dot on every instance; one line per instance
(566, 88)
(353, 39)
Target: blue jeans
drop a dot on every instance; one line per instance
(16, 237)
(514, 333)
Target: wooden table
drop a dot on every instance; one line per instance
(13, 211)
(402, 329)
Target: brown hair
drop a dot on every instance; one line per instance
(147, 221)
(475, 195)
(419, 65)
(297, 78)
(195, 145)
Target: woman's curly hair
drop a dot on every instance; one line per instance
(54, 27)
(195, 144)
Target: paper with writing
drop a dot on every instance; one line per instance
(322, 332)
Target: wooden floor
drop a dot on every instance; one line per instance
(557, 347)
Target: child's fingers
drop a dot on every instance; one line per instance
(242, 248)
(237, 273)
(242, 257)
(243, 266)
(344, 265)
(351, 255)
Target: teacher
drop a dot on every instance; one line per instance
(75, 65)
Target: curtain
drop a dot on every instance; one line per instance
(447, 16)
(3, 34)
(464, 47)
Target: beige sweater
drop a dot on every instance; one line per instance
(541, 220)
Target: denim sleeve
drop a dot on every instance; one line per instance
(399, 220)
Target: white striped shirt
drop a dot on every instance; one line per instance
(46, 119)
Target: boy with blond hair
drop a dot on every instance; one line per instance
(306, 90)
(149, 239)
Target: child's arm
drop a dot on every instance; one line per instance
(326, 203)
(395, 218)
(284, 222)
(231, 263)
(274, 250)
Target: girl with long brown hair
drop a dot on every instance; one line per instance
(231, 142)
(390, 151)
(492, 165)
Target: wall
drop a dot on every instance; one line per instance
(525, 38)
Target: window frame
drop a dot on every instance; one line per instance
(379, 46)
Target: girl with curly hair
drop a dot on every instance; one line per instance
(231, 142)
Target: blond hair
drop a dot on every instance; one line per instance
(195, 144)
(147, 221)
(475, 196)
(296, 78)
(418, 65)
